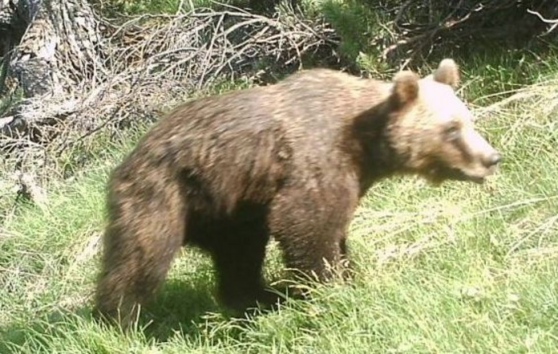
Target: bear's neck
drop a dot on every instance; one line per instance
(373, 152)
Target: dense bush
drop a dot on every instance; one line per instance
(413, 30)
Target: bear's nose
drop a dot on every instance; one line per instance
(492, 160)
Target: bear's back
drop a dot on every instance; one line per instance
(246, 143)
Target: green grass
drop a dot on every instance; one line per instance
(457, 269)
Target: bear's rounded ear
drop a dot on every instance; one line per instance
(405, 87)
(447, 73)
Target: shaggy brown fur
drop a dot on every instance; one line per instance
(288, 161)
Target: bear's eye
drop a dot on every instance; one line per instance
(452, 132)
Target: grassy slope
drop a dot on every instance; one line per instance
(462, 268)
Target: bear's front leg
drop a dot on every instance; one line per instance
(311, 228)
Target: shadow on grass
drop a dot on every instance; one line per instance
(184, 308)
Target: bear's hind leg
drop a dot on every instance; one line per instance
(140, 242)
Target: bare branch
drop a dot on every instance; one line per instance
(554, 22)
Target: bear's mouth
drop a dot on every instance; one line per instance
(460, 175)
(440, 174)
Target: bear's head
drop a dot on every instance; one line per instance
(433, 130)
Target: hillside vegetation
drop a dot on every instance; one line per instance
(461, 268)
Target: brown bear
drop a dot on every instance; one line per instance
(288, 161)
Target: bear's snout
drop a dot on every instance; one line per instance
(491, 160)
